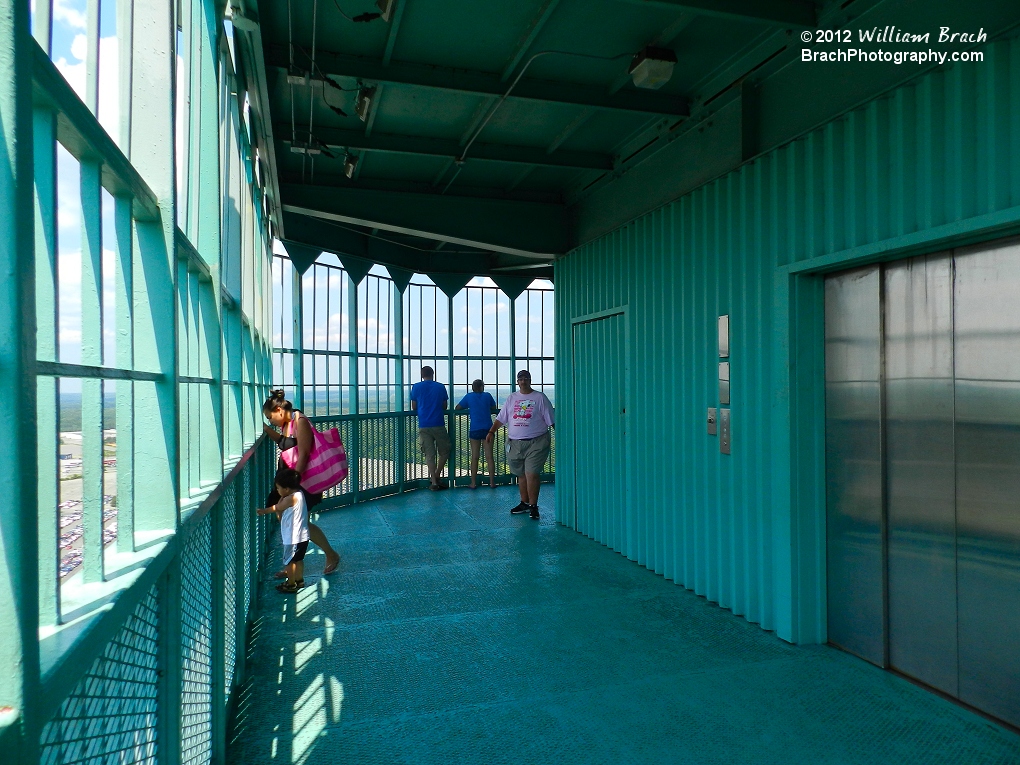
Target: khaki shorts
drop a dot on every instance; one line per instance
(434, 440)
(528, 455)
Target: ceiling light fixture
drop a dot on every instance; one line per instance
(350, 165)
(651, 67)
(363, 104)
(387, 7)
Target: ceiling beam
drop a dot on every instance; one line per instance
(391, 38)
(338, 138)
(799, 14)
(524, 45)
(478, 83)
(527, 229)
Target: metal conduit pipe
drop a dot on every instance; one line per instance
(459, 161)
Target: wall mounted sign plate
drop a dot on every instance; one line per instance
(724, 336)
(712, 419)
(724, 382)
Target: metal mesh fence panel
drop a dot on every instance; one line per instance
(196, 648)
(414, 458)
(228, 506)
(110, 716)
(377, 460)
(248, 525)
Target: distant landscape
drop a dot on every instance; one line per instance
(337, 402)
(70, 412)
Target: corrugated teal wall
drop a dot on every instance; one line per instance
(931, 164)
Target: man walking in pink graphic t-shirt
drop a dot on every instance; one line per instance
(527, 415)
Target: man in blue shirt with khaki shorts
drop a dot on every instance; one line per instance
(429, 399)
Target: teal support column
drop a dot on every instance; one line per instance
(513, 344)
(297, 304)
(92, 356)
(19, 565)
(242, 517)
(154, 269)
(169, 659)
(48, 407)
(154, 294)
(124, 307)
(401, 404)
(451, 465)
(354, 448)
(218, 638)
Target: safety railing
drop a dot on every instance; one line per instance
(385, 457)
(154, 677)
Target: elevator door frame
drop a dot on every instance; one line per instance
(954, 254)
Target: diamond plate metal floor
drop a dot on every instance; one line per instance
(456, 633)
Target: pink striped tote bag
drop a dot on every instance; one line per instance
(327, 464)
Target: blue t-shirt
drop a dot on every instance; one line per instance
(431, 398)
(480, 405)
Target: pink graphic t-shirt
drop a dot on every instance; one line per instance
(526, 415)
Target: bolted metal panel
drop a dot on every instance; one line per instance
(933, 163)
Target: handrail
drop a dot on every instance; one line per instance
(390, 460)
(178, 622)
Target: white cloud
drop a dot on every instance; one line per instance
(73, 17)
(80, 47)
(492, 309)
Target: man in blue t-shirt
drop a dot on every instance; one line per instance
(429, 398)
(482, 406)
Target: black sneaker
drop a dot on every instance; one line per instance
(521, 508)
(534, 512)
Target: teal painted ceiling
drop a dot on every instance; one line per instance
(452, 174)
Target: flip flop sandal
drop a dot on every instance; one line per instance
(331, 568)
(289, 588)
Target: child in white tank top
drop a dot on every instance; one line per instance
(293, 514)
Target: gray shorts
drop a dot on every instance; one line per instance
(434, 440)
(528, 455)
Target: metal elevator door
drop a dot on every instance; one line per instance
(923, 470)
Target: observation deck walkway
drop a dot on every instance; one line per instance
(456, 633)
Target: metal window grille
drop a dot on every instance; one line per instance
(379, 351)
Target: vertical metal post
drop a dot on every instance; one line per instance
(218, 637)
(42, 25)
(209, 243)
(19, 587)
(513, 344)
(297, 304)
(451, 465)
(92, 56)
(154, 270)
(125, 42)
(124, 288)
(354, 453)
(169, 661)
(400, 463)
(92, 387)
(242, 515)
(48, 409)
